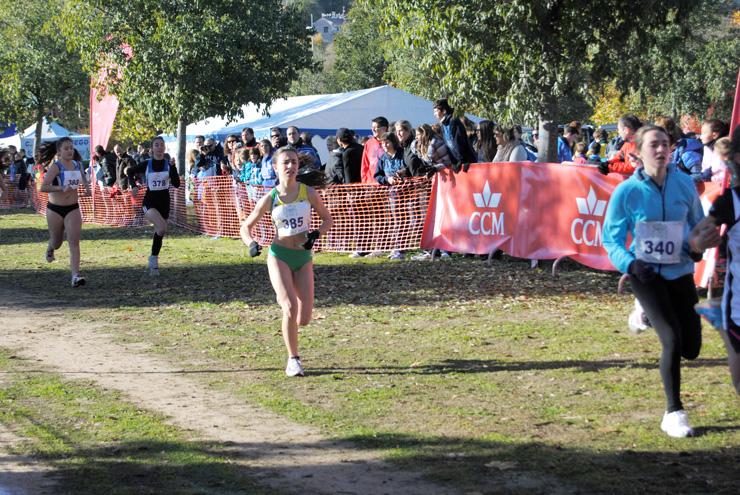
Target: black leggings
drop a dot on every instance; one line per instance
(669, 305)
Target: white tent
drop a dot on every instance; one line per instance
(321, 115)
(52, 132)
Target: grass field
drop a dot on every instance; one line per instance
(494, 379)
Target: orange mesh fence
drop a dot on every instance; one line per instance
(366, 218)
(15, 198)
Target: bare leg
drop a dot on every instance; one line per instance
(160, 224)
(56, 229)
(285, 284)
(303, 285)
(73, 226)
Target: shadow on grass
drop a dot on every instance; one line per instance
(445, 367)
(486, 466)
(90, 232)
(551, 468)
(244, 280)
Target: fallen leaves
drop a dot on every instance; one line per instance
(502, 465)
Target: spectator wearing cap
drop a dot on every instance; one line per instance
(296, 141)
(345, 162)
(373, 150)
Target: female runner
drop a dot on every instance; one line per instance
(289, 260)
(660, 209)
(61, 181)
(158, 174)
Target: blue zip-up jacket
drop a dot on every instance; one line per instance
(389, 165)
(268, 174)
(688, 157)
(565, 153)
(456, 139)
(639, 199)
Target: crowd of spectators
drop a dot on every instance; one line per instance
(398, 150)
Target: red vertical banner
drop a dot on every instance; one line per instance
(102, 116)
(736, 108)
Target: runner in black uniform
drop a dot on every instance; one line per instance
(158, 175)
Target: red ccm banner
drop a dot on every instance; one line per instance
(528, 210)
(474, 212)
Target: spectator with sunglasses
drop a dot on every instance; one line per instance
(208, 159)
(277, 138)
(233, 143)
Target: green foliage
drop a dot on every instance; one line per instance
(518, 58)
(689, 72)
(360, 48)
(38, 76)
(189, 60)
(318, 77)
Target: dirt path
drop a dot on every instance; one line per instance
(290, 457)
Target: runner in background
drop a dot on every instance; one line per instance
(660, 209)
(726, 210)
(289, 261)
(157, 175)
(61, 181)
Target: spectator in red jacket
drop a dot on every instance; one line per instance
(623, 162)
(373, 150)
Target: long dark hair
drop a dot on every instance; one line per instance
(48, 150)
(3, 153)
(486, 144)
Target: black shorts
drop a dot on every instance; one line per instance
(733, 334)
(62, 211)
(159, 202)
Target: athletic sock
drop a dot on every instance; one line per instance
(156, 244)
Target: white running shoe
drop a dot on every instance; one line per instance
(356, 255)
(49, 255)
(445, 255)
(153, 266)
(376, 254)
(424, 255)
(397, 255)
(294, 368)
(637, 321)
(78, 280)
(676, 424)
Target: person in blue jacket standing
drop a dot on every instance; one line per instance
(661, 211)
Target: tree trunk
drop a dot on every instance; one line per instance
(181, 137)
(548, 148)
(37, 136)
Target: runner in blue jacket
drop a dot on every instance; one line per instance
(660, 209)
